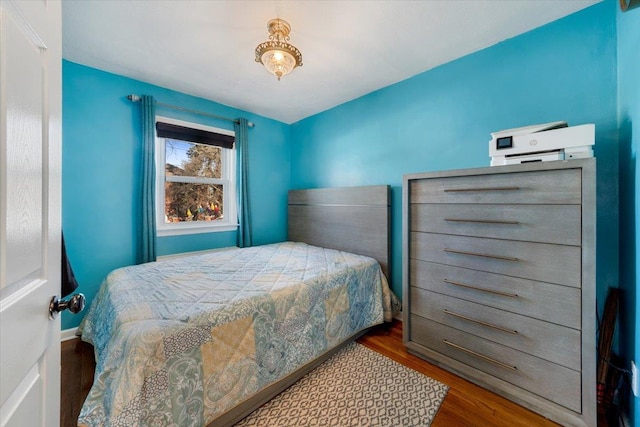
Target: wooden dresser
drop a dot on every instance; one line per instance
(499, 281)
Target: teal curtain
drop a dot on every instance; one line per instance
(147, 247)
(241, 127)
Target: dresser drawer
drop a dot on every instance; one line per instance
(538, 376)
(545, 340)
(540, 300)
(550, 187)
(536, 261)
(533, 223)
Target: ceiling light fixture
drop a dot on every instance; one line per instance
(277, 55)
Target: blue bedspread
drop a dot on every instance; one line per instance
(179, 342)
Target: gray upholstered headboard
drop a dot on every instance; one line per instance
(352, 219)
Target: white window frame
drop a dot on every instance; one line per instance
(230, 221)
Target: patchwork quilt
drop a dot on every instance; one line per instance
(179, 342)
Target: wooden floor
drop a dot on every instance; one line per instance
(465, 405)
(76, 378)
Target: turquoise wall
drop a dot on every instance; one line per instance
(584, 68)
(629, 116)
(101, 169)
(442, 119)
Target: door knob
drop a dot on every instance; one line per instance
(75, 304)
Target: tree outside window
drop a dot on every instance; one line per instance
(193, 201)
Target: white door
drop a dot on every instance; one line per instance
(30, 213)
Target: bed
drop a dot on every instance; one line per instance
(205, 339)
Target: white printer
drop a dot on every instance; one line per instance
(543, 142)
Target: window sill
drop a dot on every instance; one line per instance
(184, 229)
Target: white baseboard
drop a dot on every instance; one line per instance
(68, 334)
(204, 251)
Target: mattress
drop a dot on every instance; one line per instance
(178, 342)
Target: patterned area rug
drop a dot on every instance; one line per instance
(355, 387)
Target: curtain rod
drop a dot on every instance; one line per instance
(136, 98)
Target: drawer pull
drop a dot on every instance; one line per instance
(477, 288)
(504, 258)
(461, 190)
(481, 356)
(482, 221)
(480, 322)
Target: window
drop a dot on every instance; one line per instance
(195, 186)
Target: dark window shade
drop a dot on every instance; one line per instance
(166, 130)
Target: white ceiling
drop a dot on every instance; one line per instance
(349, 48)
